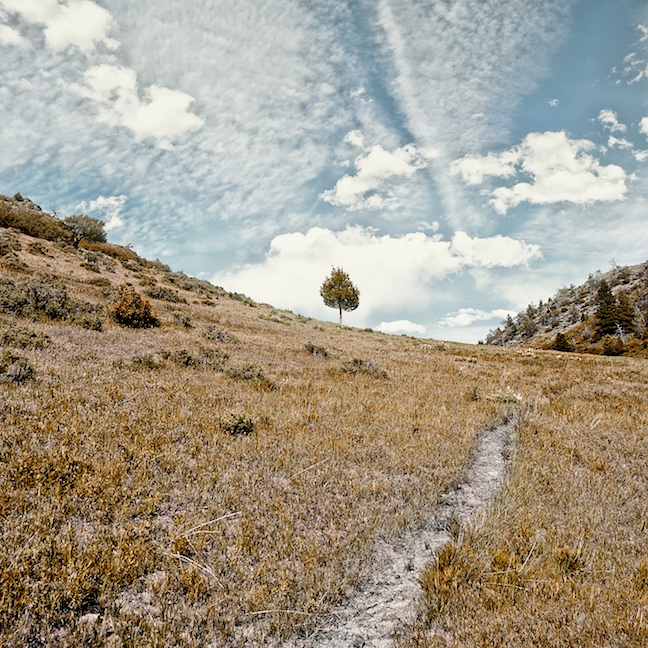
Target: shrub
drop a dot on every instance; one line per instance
(33, 222)
(86, 228)
(216, 334)
(237, 424)
(368, 367)
(14, 368)
(182, 319)
(166, 294)
(132, 310)
(22, 338)
(250, 372)
(561, 343)
(315, 350)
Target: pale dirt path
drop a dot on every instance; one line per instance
(385, 602)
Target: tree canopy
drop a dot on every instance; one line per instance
(339, 292)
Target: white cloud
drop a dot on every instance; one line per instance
(369, 187)
(400, 326)
(643, 126)
(393, 274)
(610, 121)
(558, 168)
(108, 209)
(78, 23)
(467, 316)
(554, 102)
(473, 168)
(9, 36)
(621, 143)
(163, 114)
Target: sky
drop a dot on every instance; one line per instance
(460, 159)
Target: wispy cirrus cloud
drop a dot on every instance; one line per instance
(556, 169)
(157, 112)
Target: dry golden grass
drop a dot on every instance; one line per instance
(135, 512)
(563, 557)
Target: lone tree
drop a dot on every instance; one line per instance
(86, 228)
(339, 292)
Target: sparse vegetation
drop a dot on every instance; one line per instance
(606, 315)
(218, 485)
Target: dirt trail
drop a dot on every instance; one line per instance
(372, 616)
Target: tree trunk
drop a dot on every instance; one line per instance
(340, 314)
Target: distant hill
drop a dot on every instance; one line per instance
(571, 320)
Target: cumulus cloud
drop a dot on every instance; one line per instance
(163, 114)
(76, 23)
(467, 316)
(400, 326)
(9, 36)
(619, 142)
(643, 126)
(559, 169)
(610, 121)
(108, 209)
(296, 264)
(474, 168)
(376, 170)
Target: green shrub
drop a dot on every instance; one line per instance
(132, 310)
(86, 228)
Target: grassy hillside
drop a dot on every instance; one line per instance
(222, 478)
(572, 313)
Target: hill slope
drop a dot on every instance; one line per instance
(224, 474)
(572, 312)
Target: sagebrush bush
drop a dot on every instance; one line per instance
(15, 368)
(237, 424)
(166, 294)
(132, 310)
(316, 350)
(22, 338)
(32, 222)
(368, 367)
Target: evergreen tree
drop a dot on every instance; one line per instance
(561, 343)
(625, 313)
(606, 310)
(339, 292)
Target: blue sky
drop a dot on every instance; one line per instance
(459, 158)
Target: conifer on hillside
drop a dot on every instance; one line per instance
(606, 310)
